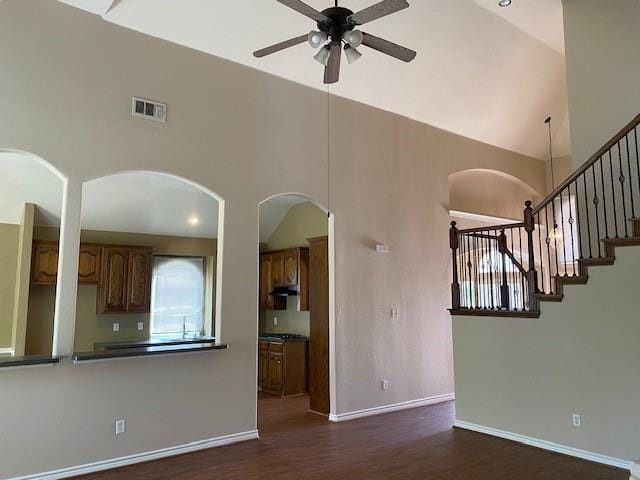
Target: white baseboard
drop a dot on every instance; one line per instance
(142, 457)
(546, 445)
(421, 402)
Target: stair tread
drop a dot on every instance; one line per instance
(623, 241)
(573, 278)
(549, 297)
(598, 261)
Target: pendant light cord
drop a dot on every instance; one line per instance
(553, 178)
(329, 150)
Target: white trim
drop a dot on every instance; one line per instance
(546, 445)
(367, 412)
(142, 457)
(482, 218)
(5, 350)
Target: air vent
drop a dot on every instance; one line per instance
(149, 109)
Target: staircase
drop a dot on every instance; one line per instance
(509, 270)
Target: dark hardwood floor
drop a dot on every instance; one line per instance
(412, 444)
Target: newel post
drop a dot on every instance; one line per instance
(455, 285)
(532, 275)
(504, 287)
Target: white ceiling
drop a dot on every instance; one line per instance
(25, 180)
(485, 72)
(148, 203)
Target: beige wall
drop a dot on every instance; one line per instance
(91, 327)
(302, 221)
(246, 136)
(563, 168)
(581, 356)
(9, 239)
(602, 43)
(489, 193)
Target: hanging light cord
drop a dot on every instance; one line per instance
(553, 178)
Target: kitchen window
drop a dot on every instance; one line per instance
(177, 296)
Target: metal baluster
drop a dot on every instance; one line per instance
(635, 141)
(586, 202)
(596, 202)
(579, 224)
(491, 279)
(541, 262)
(521, 263)
(622, 179)
(613, 195)
(571, 224)
(633, 207)
(564, 238)
(469, 268)
(604, 200)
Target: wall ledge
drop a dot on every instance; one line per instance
(421, 402)
(142, 457)
(545, 445)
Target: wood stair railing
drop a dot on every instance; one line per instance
(508, 270)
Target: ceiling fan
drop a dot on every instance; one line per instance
(338, 26)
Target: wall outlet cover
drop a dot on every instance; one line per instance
(140, 326)
(116, 327)
(120, 427)
(385, 384)
(576, 420)
(275, 321)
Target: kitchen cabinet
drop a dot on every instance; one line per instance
(125, 280)
(284, 269)
(44, 263)
(319, 325)
(283, 367)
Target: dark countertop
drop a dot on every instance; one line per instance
(8, 362)
(265, 337)
(147, 351)
(151, 342)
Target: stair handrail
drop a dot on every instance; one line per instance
(588, 164)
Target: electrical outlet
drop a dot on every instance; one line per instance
(577, 420)
(385, 384)
(120, 427)
(140, 326)
(275, 321)
(395, 313)
(116, 327)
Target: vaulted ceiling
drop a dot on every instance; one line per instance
(489, 73)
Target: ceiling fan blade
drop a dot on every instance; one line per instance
(305, 10)
(280, 46)
(389, 48)
(379, 10)
(332, 70)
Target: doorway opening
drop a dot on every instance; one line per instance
(293, 321)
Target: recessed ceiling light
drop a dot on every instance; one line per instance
(193, 220)
(504, 3)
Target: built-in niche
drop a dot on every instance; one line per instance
(148, 262)
(30, 211)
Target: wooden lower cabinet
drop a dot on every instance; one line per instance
(283, 367)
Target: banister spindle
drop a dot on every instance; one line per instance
(455, 285)
(504, 287)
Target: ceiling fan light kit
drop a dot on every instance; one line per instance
(337, 26)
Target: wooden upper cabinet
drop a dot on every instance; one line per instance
(139, 280)
(125, 280)
(112, 290)
(277, 269)
(266, 285)
(89, 264)
(291, 259)
(44, 264)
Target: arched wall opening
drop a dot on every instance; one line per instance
(288, 222)
(160, 248)
(31, 198)
(489, 193)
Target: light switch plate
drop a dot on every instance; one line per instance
(120, 427)
(275, 321)
(140, 326)
(395, 313)
(116, 327)
(576, 420)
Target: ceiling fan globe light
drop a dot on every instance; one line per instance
(323, 55)
(353, 37)
(352, 54)
(317, 39)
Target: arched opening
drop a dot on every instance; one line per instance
(495, 195)
(150, 262)
(294, 302)
(31, 201)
